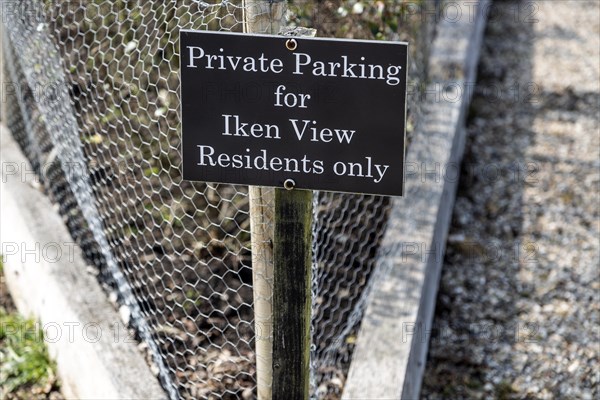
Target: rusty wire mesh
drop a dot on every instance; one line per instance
(96, 111)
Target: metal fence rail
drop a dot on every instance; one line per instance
(95, 107)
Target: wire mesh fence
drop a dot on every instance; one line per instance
(95, 105)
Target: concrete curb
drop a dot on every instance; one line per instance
(47, 278)
(391, 348)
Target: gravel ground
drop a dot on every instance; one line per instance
(518, 308)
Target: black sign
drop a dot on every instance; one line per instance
(259, 110)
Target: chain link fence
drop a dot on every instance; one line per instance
(93, 100)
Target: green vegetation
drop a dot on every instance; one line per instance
(504, 391)
(26, 371)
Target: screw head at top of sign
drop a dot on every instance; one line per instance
(291, 44)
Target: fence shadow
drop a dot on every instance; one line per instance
(475, 316)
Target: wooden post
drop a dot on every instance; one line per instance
(261, 225)
(292, 294)
(281, 223)
(262, 17)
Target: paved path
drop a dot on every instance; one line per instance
(518, 309)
